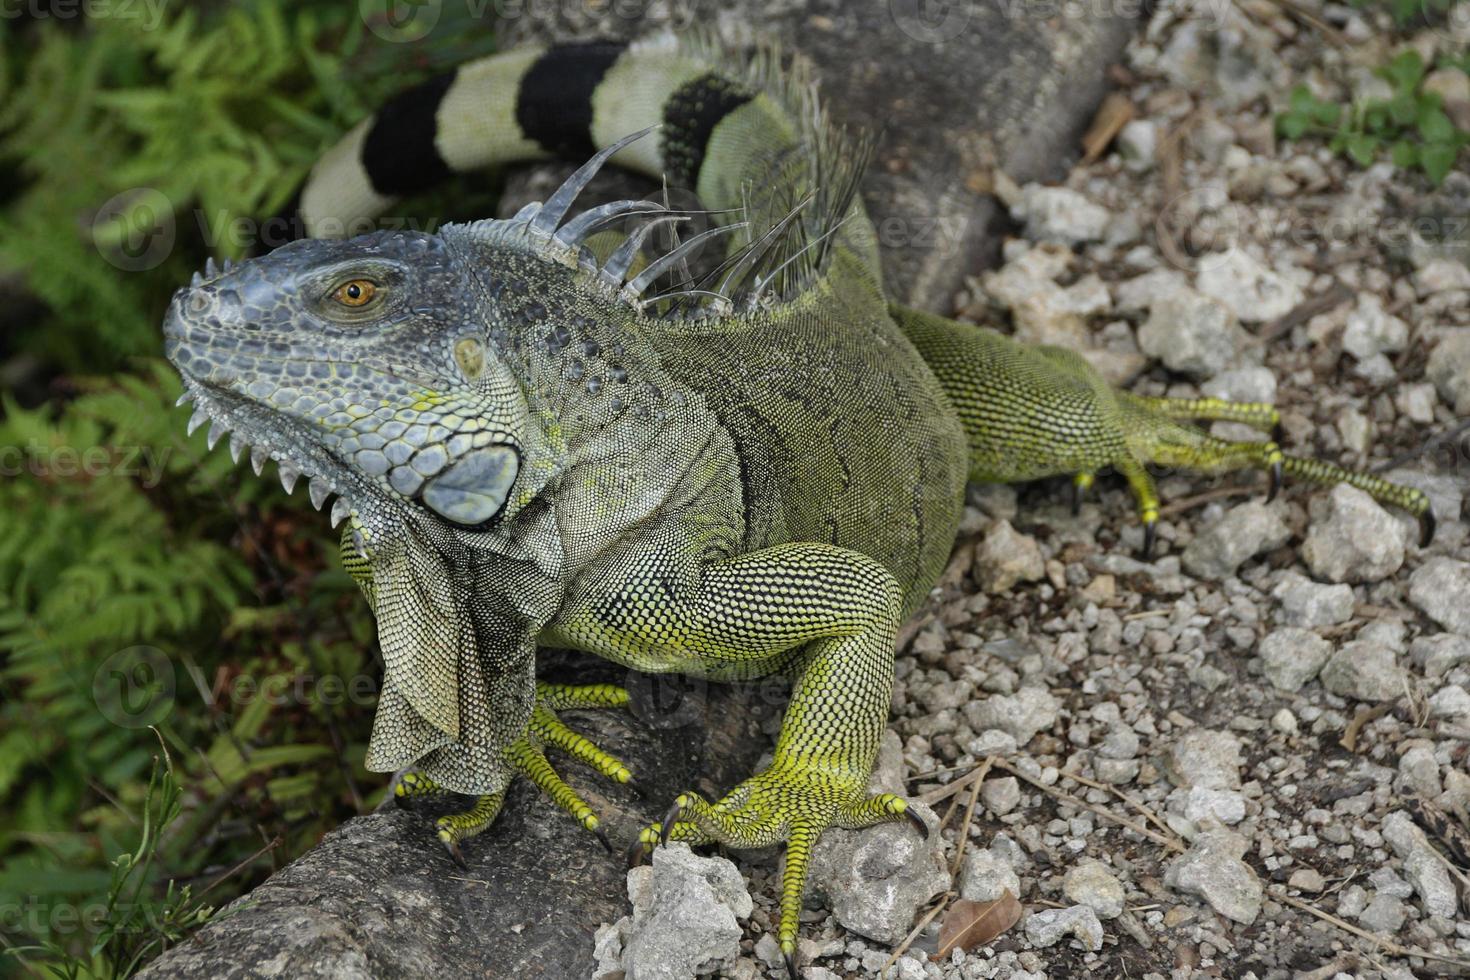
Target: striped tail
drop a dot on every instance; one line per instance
(739, 135)
(1326, 474)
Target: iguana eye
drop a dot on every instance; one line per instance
(355, 293)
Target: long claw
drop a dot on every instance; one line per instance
(1427, 525)
(1150, 532)
(670, 819)
(1076, 499)
(1276, 477)
(791, 965)
(602, 836)
(637, 853)
(918, 822)
(456, 854)
(1277, 433)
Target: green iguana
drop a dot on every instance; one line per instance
(538, 436)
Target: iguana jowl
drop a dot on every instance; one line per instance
(539, 443)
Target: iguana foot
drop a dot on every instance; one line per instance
(527, 755)
(792, 803)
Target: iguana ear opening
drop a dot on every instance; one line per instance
(475, 488)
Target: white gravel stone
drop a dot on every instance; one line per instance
(1213, 870)
(1440, 653)
(1351, 538)
(1205, 758)
(1050, 926)
(1449, 368)
(1422, 865)
(1199, 803)
(1441, 588)
(1020, 715)
(1292, 656)
(1450, 701)
(985, 876)
(1249, 289)
(1307, 603)
(685, 909)
(1005, 557)
(1371, 330)
(1092, 883)
(1060, 214)
(1191, 333)
(1002, 795)
(1365, 670)
(1246, 530)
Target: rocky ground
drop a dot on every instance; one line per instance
(1245, 758)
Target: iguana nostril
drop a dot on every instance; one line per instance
(198, 301)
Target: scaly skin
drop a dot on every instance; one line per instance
(1035, 412)
(761, 473)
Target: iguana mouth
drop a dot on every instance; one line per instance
(228, 415)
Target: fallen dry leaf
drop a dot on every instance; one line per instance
(969, 924)
(1111, 117)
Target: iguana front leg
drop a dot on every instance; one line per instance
(821, 614)
(527, 755)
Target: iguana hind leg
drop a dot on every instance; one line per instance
(1035, 412)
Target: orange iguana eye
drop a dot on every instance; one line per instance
(356, 292)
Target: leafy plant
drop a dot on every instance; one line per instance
(128, 552)
(1410, 125)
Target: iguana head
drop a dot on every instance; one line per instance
(363, 364)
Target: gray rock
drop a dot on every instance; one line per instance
(1449, 368)
(1422, 864)
(1137, 143)
(1212, 869)
(1307, 880)
(684, 915)
(1440, 587)
(1292, 656)
(1021, 715)
(1002, 795)
(1050, 926)
(1061, 215)
(1371, 330)
(1366, 670)
(1205, 758)
(1121, 742)
(875, 880)
(1451, 701)
(1198, 804)
(1192, 334)
(985, 875)
(1440, 653)
(1385, 882)
(1142, 292)
(1091, 883)
(1351, 538)
(1243, 532)
(1384, 914)
(1249, 289)
(1005, 557)
(1116, 772)
(1446, 492)
(1419, 772)
(378, 896)
(1251, 383)
(1307, 603)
